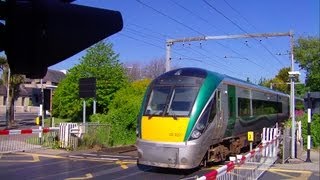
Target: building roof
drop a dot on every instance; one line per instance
(52, 75)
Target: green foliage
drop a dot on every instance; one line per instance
(97, 136)
(315, 129)
(100, 62)
(307, 54)
(123, 112)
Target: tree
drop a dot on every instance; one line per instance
(14, 84)
(100, 62)
(123, 112)
(155, 68)
(307, 54)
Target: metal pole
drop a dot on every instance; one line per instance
(42, 102)
(7, 100)
(168, 55)
(309, 128)
(84, 111)
(292, 101)
(94, 105)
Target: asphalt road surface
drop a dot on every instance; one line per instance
(23, 120)
(19, 166)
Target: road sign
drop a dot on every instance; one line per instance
(87, 87)
(250, 136)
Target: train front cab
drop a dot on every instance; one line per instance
(173, 118)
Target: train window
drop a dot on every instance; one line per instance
(182, 100)
(244, 107)
(213, 108)
(261, 107)
(157, 100)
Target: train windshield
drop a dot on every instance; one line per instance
(171, 100)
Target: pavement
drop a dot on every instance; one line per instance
(301, 164)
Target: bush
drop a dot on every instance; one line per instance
(315, 129)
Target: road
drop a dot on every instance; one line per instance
(23, 120)
(83, 166)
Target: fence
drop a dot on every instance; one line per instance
(27, 139)
(67, 135)
(89, 135)
(253, 164)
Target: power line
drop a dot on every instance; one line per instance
(163, 14)
(130, 37)
(198, 16)
(239, 27)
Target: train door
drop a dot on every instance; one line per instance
(220, 112)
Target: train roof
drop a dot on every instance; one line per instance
(199, 72)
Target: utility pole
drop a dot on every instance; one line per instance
(7, 100)
(292, 75)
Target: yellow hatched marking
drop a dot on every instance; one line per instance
(35, 158)
(164, 129)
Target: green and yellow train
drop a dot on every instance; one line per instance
(191, 116)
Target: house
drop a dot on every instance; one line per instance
(30, 92)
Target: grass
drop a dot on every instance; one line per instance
(56, 121)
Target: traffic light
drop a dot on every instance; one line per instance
(36, 34)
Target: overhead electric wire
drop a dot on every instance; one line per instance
(243, 30)
(182, 24)
(198, 16)
(130, 37)
(144, 35)
(150, 30)
(245, 19)
(190, 28)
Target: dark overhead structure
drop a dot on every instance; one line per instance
(36, 34)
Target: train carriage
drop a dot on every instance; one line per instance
(191, 116)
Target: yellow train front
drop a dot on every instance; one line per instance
(189, 117)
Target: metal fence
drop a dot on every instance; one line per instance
(27, 139)
(95, 135)
(67, 136)
(253, 164)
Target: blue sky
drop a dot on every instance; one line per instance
(149, 23)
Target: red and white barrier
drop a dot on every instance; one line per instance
(26, 131)
(218, 172)
(256, 161)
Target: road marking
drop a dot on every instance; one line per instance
(123, 165)
(34, 157)
(44, 155)
(284, 172)
(87, 176)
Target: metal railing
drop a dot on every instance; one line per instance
(252, 164)
(27, 139)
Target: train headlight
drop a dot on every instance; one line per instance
(200, 126)
(195, 134)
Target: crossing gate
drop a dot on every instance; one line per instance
(66, 137)
(252, 164)
(26, 139)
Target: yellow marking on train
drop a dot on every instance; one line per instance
(165, 129)
(87, 176)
